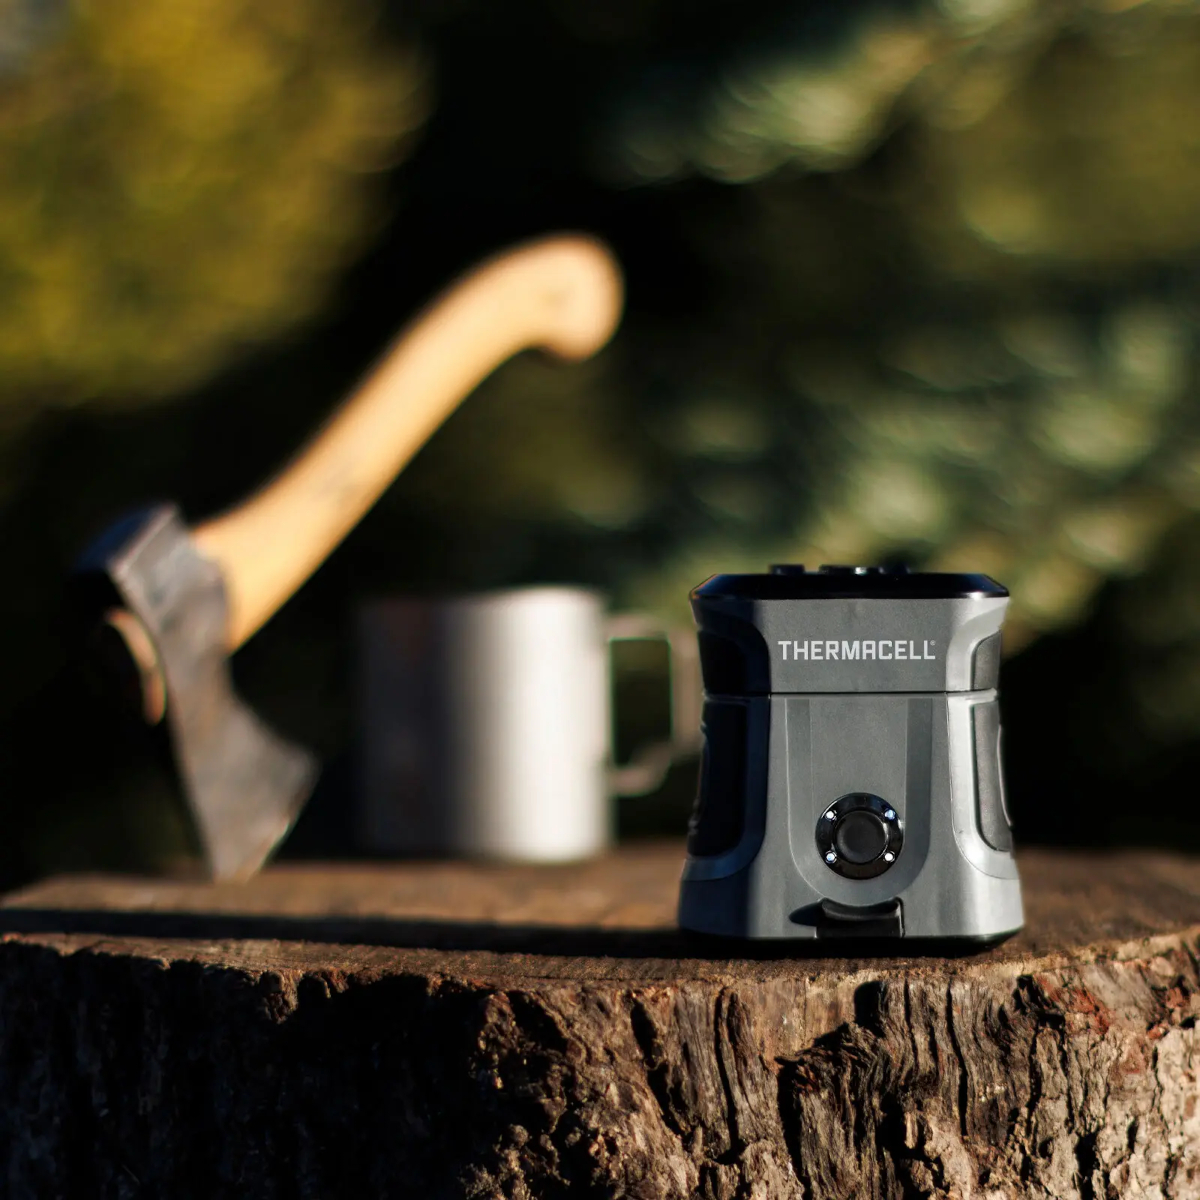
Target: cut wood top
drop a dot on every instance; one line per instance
(609, 920)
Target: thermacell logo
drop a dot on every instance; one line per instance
(882, 651)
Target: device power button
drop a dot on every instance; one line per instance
(860, 835)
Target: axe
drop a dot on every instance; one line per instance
(179, 601)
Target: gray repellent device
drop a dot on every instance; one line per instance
(851, 783)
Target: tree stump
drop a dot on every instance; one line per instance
(445, 1030)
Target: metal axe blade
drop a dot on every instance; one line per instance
(244, 784)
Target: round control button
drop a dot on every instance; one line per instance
(860, 837)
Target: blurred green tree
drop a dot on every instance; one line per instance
(951, 316)
(907, 280)
(179, 181)
(964, 255)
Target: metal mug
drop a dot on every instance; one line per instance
(486, 724)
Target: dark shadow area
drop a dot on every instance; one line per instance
(1083, 764)
(469, 936)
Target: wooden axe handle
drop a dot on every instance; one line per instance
(562, 294)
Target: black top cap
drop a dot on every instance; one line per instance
(846, 583)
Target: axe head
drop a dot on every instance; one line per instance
(244, 785)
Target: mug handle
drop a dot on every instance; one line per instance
(646, 770)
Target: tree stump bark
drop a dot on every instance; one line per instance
(442, 1030)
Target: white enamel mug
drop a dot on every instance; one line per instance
(486, 724)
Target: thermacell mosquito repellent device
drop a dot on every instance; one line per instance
(851, 783)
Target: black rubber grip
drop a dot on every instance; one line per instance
(985, 664)
(719, 816)
(733, 657)
(991, 810)
(723, 664)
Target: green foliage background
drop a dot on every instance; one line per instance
(907, 281)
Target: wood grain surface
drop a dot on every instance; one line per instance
(448, 1029)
